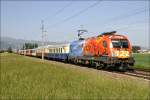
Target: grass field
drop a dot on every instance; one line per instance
(29, 78)
(142, 61)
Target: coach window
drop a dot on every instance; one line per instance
(105, 44)
(64, 50)
(61, 50)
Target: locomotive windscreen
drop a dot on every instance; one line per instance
(120, 43)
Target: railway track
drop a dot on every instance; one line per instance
(140, 74)
(135, 73)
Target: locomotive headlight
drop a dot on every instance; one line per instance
(127, 53)
(115, 54)
(123, 54)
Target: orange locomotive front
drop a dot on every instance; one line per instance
(109, 49)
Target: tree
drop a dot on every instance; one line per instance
(9, 49)
(135, 49)
(35, 45)
(30, 45)
(2, 51)
(23, 47)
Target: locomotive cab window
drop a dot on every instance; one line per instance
(105, 44)
(120, 43)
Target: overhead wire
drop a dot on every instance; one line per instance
(124, 16)
(130, 24)
(76, 14)
(128, 27)
(128, 15)
(61, 10)
(91, 6)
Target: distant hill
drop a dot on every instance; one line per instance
(6, 42)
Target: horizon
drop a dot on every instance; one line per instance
(142, 47)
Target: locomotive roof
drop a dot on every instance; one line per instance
(107, 33)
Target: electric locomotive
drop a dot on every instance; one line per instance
(108, 50)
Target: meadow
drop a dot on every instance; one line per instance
(25, 77)
(142, 61)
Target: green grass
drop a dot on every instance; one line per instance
(142, 61)
(30, 78)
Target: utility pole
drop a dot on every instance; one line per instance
(43, 30)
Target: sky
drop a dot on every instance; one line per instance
(62, 19)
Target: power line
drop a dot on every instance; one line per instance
(128, 15)
(61, 10)
(136, 12)
(130, 25)
(124, 16)
(42, 22)
(77, 14)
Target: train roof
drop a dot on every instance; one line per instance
(53, 46)
(59, 45)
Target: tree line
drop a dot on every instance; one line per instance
(135, 49)
(25, 46)
(29, 46)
